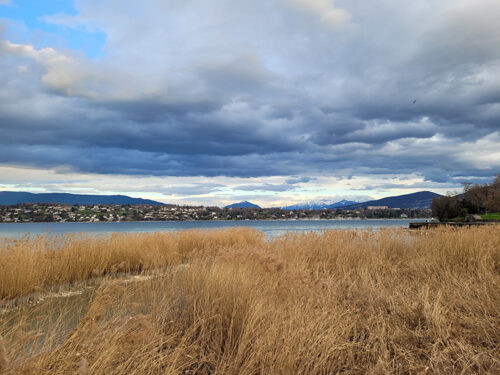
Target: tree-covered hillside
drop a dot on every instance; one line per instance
(476, 202)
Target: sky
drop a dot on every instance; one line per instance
(277, 102)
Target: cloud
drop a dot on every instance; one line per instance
(192, 190)
(260, 89)
(298, 180)
(62, 73)
(325, 10)
(217, 191)
(264, 187)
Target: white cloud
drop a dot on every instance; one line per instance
(325, 10)
(481, 154)
(62, 72)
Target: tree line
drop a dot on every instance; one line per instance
(475, 200)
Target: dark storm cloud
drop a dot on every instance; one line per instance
(262, 90)
(298, 180)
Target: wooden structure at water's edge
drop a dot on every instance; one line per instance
(427, 225)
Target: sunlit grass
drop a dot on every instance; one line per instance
(30, 264)
(354, 302)
(492, 216)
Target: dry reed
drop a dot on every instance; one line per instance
(4, 362)
(83, 368)
(30, 264)
(353, 302)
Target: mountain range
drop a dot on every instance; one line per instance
(319, 205)
(13, 197)
(418, 200)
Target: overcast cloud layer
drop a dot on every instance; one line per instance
(300, 88)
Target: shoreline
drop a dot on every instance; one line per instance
(208, 221)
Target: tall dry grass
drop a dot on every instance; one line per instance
(349, 302)
(31, 264)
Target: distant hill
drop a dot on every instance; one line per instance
(244, 204)
(8, 198)
(419, 200)
(341, 203)
(319, 205)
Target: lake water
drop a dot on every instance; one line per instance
(271, 228)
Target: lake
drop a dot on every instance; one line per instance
(271, 228)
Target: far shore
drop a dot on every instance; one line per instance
(215, 221)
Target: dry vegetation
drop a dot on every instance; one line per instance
(31, 264)
(229, 302)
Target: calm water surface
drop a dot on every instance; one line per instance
(271, 228)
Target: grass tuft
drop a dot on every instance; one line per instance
(83, 368)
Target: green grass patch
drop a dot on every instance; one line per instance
(492, 216)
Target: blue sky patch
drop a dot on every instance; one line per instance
(25, 24)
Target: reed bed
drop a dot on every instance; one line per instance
(353, 302)
(31, 264)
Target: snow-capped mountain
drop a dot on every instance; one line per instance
(319, 205)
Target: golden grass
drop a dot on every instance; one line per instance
(31, 264)
(4, 362)
(348, 302)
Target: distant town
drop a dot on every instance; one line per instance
(47, 212)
